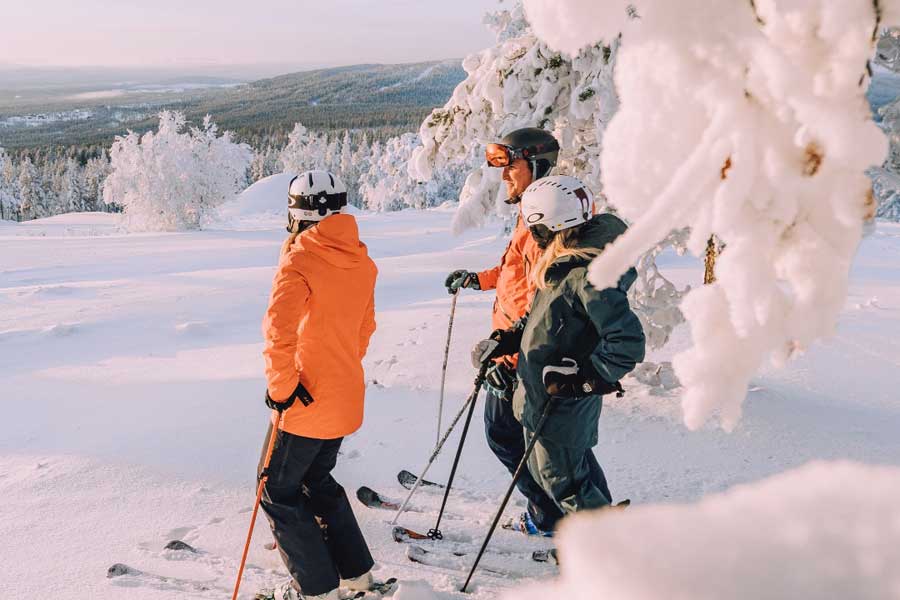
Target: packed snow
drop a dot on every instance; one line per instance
(133, 388)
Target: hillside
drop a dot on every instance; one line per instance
(370, 96)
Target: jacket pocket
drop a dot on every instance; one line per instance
(573, 422)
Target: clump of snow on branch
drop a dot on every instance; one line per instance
(173, 179)
(521, 82)
(751, 125)
(801, 534)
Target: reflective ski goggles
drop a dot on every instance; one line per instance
(498, 155)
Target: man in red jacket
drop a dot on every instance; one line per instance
(524, 155)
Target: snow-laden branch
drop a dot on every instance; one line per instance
(747, 121)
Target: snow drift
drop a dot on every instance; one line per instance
(826, 530)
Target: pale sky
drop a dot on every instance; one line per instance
(184, 32)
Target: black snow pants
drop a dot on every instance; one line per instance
(506, 440)
(311, 518)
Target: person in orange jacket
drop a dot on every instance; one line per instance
(321, 315)
(525, 155)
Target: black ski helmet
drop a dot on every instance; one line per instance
(537, 146)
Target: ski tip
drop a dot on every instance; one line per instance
(179, 545)
(366, 495)
(119, 569)
(415, 553)
(402, 534)
(543, 556)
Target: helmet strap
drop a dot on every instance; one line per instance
(293, 224)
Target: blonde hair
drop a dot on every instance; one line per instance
(303, 226)
(562, 245)
(286, 246)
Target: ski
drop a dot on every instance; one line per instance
(129, 576)
(178, 545)
(379, 589)
(459, 560)
(373, 499)
(408, 480)
(402, 535)
(545, 556)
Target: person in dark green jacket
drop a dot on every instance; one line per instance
(575, 344)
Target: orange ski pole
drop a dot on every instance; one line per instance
(264, 476)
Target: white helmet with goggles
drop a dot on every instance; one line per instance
(555, 203)
(314, 195)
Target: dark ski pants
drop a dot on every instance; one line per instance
(311, 518)
(504, 436)
(570, 475)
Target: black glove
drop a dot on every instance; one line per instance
(301, 393)
(571, 381)
(501, 380)
(461, 279)
(502, 342)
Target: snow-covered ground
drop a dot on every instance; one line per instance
(133, 413)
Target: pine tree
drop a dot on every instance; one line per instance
(9, 202)
(30, 193)
(72, 190)
(347, 169)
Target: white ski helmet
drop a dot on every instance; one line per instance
(314, 195)
(557, 202)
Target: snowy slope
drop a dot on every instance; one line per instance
(133, 413)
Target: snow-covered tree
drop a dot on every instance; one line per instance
(348, 169)
(388, 185)
(173, 178)
(746, 120)
(31, 196)
(71, 195)
(265, 163)
(96, 171)
(522, 82)
(9, 201)
(305, 150)
(886, 177)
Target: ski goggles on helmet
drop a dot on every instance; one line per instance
(321, 202)
(542, 235)
(498, 155)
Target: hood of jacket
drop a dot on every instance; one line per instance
(335, 240)
(596, 234)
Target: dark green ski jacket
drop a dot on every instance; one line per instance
(573, 319)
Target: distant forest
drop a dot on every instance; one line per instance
(60, 165)
(393, 98)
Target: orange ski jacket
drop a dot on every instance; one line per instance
(512, 278)
(321, 315)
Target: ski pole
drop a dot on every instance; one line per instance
(444, 368)
(512, 486)
(435, 532)
(470, 401)
(263, 477)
